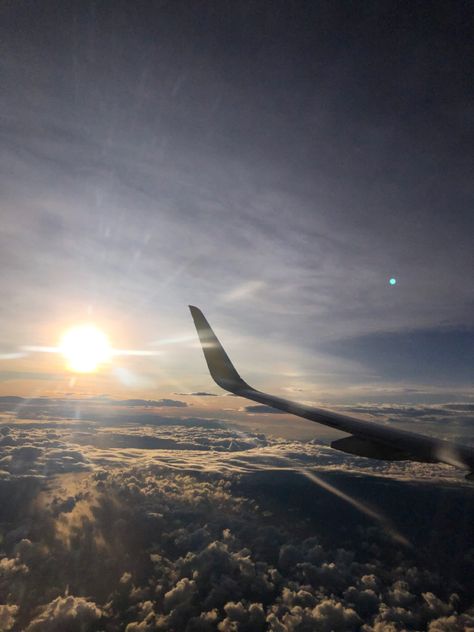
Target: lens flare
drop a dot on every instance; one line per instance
(392, 281)
(360, 506)
(85, 347)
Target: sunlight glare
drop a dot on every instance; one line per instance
(85, 347)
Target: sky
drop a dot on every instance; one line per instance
(275, 164)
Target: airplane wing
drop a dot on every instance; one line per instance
(369, 439)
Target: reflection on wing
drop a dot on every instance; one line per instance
(367, 439)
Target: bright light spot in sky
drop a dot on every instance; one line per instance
(392, 281)
(85, 347)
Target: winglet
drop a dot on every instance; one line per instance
(220, 366)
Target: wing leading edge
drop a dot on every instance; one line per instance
(367, 439)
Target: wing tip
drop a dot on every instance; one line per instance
(219, 364)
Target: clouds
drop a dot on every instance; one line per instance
(328, 616)
(79, 407)
(261, 409)
(446, 420)
(207, 531)
(41, 448)
(212, 564)
(7, 616)
(151, 403)
(452, 420)
(170, 155)
(72, 613)
(229, 576)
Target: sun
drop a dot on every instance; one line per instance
(85, 347)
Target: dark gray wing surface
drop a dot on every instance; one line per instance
(367, 439)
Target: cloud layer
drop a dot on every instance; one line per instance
(183, 527)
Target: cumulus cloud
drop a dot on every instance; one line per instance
(240, 616)
(165, 528)
(66, 613)
(328, 616)
(7, 616)
(453, 623)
